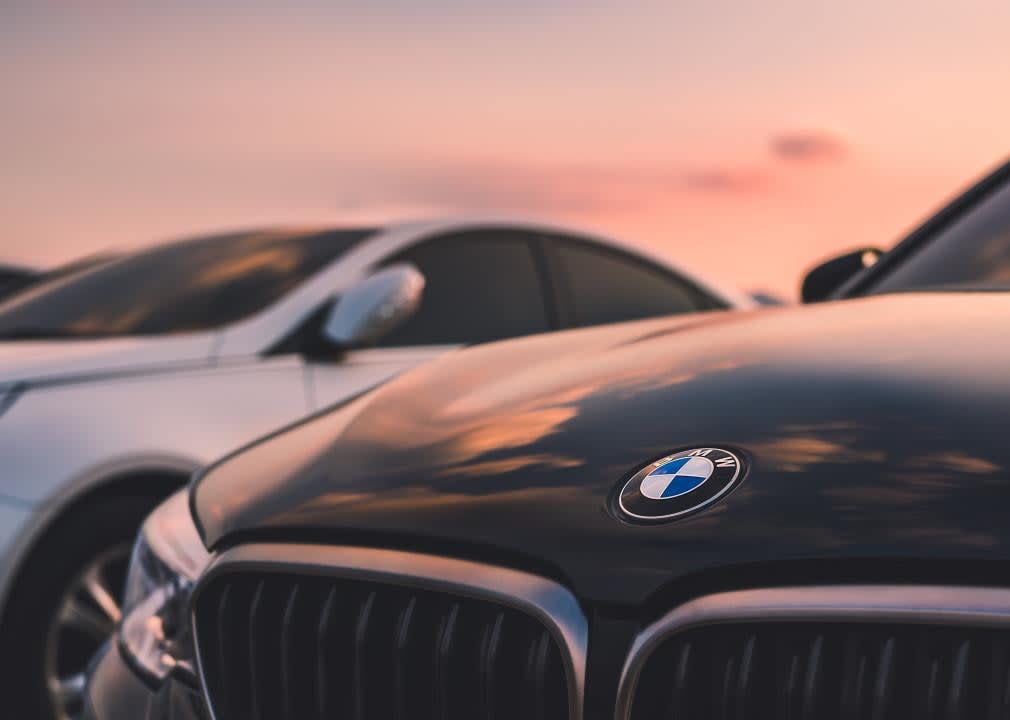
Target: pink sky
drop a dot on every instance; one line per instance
(746, 139)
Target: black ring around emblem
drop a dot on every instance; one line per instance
(725, 471)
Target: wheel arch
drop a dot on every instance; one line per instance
(148, 477)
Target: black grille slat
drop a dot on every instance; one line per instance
(323, 668)
(679, 705)
(359, 672)
(224, 614)
(254, 644)
(1002, 705)
(957, 681)
(1000, 691)
(811, 681)
(536, 670)
(927, 678)
(308, 647)
(826, 671)
(745, 677)
(855, 678)
(882, 688)
(401, 667)
(443, 658)
(489, 649)
(289, 651)
(724, 698)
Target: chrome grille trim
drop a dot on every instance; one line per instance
(553, 605)
(979, 607)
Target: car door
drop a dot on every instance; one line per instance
(598, 284)
(480, 286)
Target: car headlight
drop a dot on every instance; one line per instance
(167, 559)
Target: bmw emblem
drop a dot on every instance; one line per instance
(679, 484)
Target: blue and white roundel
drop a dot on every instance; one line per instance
(677, 477)
(678, 485)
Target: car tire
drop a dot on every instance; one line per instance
(63, 605)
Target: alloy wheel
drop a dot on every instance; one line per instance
(85, 618)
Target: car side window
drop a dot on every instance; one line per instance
(606, 286)
(973, 251)
(479, 286)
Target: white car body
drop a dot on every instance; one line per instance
(78, 415)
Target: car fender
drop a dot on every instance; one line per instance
(63, 443)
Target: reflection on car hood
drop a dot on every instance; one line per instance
(60, 361)
(872, 427)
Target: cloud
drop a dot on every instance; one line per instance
(561, 189)
(807, 147)
(725, 180)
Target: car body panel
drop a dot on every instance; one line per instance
(99, 441)
(327, 383)
(15, 516)
(513, 450)
(64, 361)
(238, 400)
(87, 422)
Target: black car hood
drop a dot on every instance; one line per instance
(873, 428)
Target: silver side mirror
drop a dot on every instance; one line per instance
(374, 306)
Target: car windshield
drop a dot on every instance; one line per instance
(972, 252)
(187, 286)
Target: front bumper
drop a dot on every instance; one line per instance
(116, 692)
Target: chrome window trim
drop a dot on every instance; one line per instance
(907, 604)
(550, 603)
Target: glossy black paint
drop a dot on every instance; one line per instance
(875, 430)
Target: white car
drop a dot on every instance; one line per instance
(119, 381)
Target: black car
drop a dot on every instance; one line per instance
(965, 245)
(798, 512)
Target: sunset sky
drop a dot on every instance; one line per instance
(745, 139)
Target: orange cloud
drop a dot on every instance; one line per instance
(559, 189)
(807, 146)
(725, 180)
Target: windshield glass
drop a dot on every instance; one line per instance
(187, 286)
(974, 251)
(14, 280)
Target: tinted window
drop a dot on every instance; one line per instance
(479, 286)
(974, 251)
(12, 280)
(193, 285)
(606, 286)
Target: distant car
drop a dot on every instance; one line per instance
(964, 246)
(765, 298)
(13, 279)
(119, 381)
